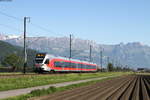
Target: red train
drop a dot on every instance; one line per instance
(45, 62)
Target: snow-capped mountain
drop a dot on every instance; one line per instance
(6, 37)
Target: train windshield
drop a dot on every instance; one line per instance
(40, 57)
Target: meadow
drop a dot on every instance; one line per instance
(43, 92)
(25, 81)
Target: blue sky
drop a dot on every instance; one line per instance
(104, 21)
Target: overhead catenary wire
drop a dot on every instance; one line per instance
(10, 16)
(45, 29)
(11, 27)
(33, 24)
(14, 28)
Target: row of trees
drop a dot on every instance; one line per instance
(13, 61)
(111, 67)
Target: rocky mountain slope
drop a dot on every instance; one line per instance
(131, 54)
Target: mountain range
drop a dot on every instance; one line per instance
(132, 55)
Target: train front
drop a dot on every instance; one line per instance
(41, 61)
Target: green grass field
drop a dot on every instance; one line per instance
(37, 93)
(144, 73)
(38, 80)
(9, 73)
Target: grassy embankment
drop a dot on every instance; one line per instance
(143, 73)
(38, 80)
(10, 73)
(15, 73)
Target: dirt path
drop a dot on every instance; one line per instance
(135, 87)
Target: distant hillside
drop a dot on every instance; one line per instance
(131, 54)
(6, 49)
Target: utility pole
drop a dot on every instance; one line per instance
(70, 45)
(90, 53)
(101, 58)
(107, 63)
(25, 51)
(70, 50)
(107, 60)
(113, 62)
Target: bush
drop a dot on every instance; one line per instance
(14, 61)
(40, 92)
(110, 67)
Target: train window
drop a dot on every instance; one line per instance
(39, 55)
(47, 61)
(93, 67)
(57, 64)
(77, 65)
(60, 64)
(38, 60)
(70, 65)
(82, 66)
(85, 66)
(67, 64)
(88, 66)
(73, 65)
(63, 64)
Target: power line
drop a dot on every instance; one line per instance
(11, 27)
(45, 29)
(35, 25)
(20, 31)
(10, 16)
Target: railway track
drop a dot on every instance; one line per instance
(135, 87)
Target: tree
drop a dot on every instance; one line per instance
(118, 68)
(13, 60)
(110, 67)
